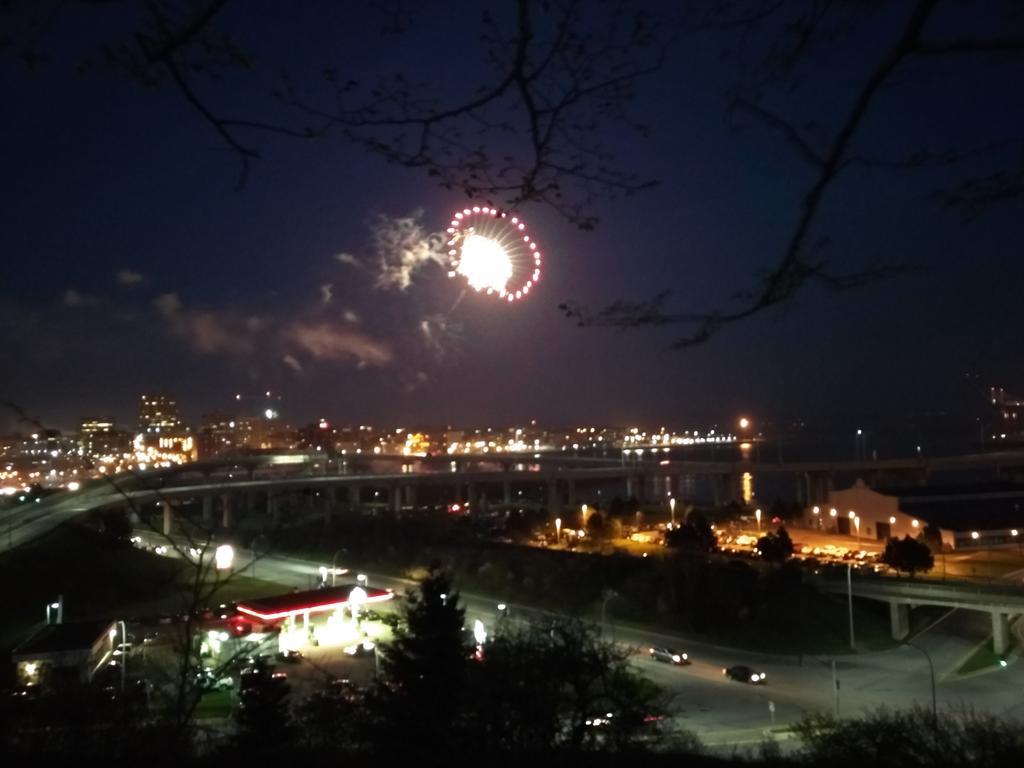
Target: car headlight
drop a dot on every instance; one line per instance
(676, 658)
(685, 657)
(754, 678)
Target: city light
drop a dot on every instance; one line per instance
(224, 556)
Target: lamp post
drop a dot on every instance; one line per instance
(558, 531)
(672, 510)
(849, 595)
(757, 514)
(124, 653)
(931, 671)
(608, 595)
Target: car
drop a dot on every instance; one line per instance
(744, 674)
(669, 656)
(365, 648)
(290, 656)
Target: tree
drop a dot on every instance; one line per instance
(775, 547)
(694, 535)
(540, 688)
(889, 738)
(422, 689)
(908, 554)
(931, 537)
(264, 722)
(597, 528)
(778, 47)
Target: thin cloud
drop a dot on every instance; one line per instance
(129, 277)
(324, 341)
(326, 293)
(77, 299)
(292, 363)
(348, 259)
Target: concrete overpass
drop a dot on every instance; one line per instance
(219, 483)
(1002, 601)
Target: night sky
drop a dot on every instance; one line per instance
(131, 263)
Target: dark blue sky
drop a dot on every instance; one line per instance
(104, 177)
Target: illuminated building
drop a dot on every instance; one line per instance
(162, 439)
(100, 440)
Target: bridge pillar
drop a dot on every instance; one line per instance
(354, 499)
(506, 492)
(571, 492)
(554, 507)
(1000, 632)
(395, 497)
(410, 495)
(226, 517)
(899, 616)
(273, 510)
(207, 511)
(168, 517)
(330, 502)
(630, 487)
(472, 497)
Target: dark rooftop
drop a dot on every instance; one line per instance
(59, 638)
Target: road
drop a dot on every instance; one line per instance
(725, 713)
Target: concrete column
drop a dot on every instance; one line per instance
(554, 507)
(395, 496)
(571, 492)
(899, 617)
(168, 517)
(354, 497)
(410, 495)
(207, 511)
(472, 497)
(1000, 632)
(330, 500)
(506, 492)
(226, 520)
(630, 487)
(273, 510)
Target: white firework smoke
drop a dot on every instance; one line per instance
(403, 246)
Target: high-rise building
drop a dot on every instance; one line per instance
(162, 438)
(1007, 416)
(159, 414)
(99, 438)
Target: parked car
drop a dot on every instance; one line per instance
(290, 656)
(744, 674)
(669, 656)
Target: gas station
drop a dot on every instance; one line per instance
(329, 616)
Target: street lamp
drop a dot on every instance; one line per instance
(608, 595)
(856, 524)
(757, 514)
(57, 607)
(363, 581)
(223, 557)
(849, 596)
(124, 652)
(558, 531)
(931, 670)
(672, 509)
(744, 422)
